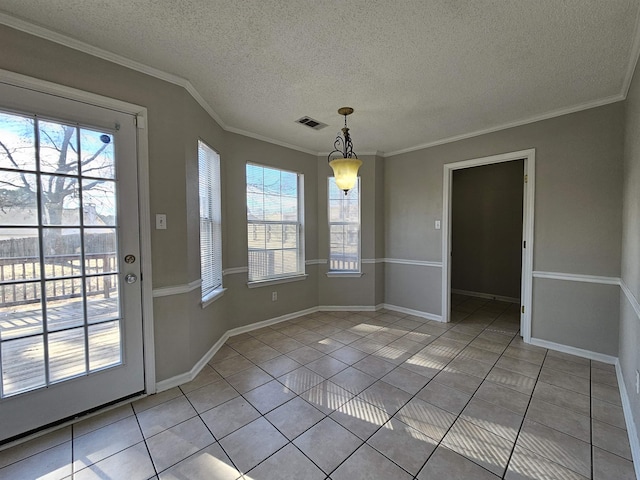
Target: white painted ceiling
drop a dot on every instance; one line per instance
(417, 72)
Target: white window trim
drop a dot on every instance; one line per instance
(276, 281)
(301, 275)
(212, 296)
(346, 273)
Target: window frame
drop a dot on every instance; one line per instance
(300, 274)
(210, 291)
(336, 271)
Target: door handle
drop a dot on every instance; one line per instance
(130, 278)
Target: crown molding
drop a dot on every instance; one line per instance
(517, 123)
(633, 61)
(280, 143)
(84, 47)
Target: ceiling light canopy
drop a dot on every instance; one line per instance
(345, 168)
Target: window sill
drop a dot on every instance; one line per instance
(275, 281)
(212, 297)
(344, 274)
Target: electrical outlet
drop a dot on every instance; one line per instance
(274, 296)
(637, 382)
(437, 224)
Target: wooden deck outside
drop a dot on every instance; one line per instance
(23, 352)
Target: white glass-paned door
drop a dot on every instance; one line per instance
(70, 328)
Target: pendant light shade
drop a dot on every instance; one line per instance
(345, 167)
(346, 172)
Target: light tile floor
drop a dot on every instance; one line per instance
(360, 395)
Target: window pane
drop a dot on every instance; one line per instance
(273, 223)
(344, 228)
(210, 219)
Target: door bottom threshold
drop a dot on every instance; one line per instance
(50, 427)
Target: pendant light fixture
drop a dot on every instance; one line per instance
(345, 167)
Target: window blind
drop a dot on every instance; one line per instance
(210, 219)
(274, 223)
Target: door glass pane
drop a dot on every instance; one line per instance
(17, 142)
(60, 200)
(103, 302)
(47, 323)
(62, 252)
(99, 202)
(98, 159)
(64, 304)
(104, 345)
(21, 310)
(22, 365)
(66, 354)
(18, 198)
(58, 148)
(100, 250)
(19, 254)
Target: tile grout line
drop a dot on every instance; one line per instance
(414, 395)
(524, 415)
(591, 416)
(144, 439)
(470, 397)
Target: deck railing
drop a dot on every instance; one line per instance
(20, 277)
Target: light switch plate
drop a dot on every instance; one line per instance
(437, 224)
(161, 221)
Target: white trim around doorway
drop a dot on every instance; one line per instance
(529, 157)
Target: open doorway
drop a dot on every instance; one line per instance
(493, 256)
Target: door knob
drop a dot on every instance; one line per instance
(130, 278)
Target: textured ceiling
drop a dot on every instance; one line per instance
(417, 72)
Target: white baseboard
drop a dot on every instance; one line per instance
(632, 431)
(490, 296)
(271, 321)
(191, 374)
(417, 313)
(195, 370)
(578, 352)
(349, 308)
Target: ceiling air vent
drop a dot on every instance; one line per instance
(311, 123)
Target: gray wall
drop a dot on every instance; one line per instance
(486, 229)
(630, 318)
(184, 332)
(578, 219)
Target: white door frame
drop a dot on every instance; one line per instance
(529, 157)
(143, 194)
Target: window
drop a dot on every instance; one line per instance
(210, 220)
(344, 228)
(274, 223)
